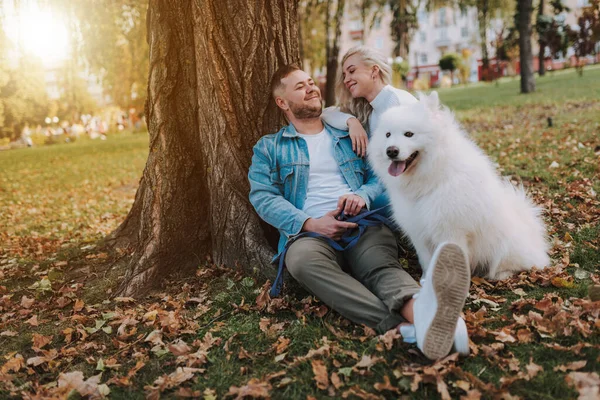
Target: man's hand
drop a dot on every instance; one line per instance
(351, 204)
(328, 225)
(359, 137)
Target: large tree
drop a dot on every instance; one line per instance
(208, 103)
(523, 20)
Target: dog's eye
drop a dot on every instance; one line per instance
(408, 134)
(388, 134)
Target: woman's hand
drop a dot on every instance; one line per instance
(359, 137)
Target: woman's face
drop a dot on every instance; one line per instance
(358, 77)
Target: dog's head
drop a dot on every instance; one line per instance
(404, 137)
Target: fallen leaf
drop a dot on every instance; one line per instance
(533, 369)
(281, 345)
(524, 336)
(320, 372)
(335, 380)
(254, 388)
(13, 365)
(179, 348)
(367, 361)
(472, 395)
(386, 385)
(39, 341)
(33, 321)
(78, 306)
(388, 338)
(574, 366)
(155, 337)
(26, 302)
(504, 336)
(75, 381)
(124, 299)
(360, 393)
(586, 383)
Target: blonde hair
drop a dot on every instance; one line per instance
(360, 107)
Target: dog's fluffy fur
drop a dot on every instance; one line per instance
(451, 192)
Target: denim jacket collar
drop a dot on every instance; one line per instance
(290, 131)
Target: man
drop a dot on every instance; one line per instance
(301, 179)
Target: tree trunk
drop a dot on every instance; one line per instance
(332, 49)
(542, 45)
(208, 103)
(525, 9)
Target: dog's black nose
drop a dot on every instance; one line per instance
(392, 151)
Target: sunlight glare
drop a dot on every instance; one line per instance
(40, 33)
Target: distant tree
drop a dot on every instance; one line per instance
(541, 24)
(404, 24)
(109, 36)
(586, 35)
(23, 96)
(75, 98)
(333, 31)
(523, 23)
(311, 27)
(552, 32)
(486, 10)
(450, 62)
(369, 13)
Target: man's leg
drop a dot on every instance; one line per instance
(374, 262)
(317, 267)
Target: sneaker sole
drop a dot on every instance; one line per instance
(451, 280)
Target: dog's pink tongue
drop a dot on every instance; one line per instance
(397, 167)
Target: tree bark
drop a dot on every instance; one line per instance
(525, 9)
(208, 103)
(332, 49)
(542, 45)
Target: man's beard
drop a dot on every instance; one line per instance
(305, 111)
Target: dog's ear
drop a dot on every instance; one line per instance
(431, 101)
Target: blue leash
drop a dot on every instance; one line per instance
(348, 240)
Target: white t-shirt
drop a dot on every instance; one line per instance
(325, 181)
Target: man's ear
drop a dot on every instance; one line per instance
(281, 103)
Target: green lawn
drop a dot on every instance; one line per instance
(534, 336)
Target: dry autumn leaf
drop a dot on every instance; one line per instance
(586, 383)
(254, 388)
(320, 374)
(386, 385)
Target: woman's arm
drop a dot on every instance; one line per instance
(347, 122)
(334, 117)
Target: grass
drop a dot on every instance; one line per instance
(58, 202)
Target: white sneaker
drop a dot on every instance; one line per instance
(461, 338)
(438, 304)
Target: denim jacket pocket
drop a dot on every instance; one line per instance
(286, 179)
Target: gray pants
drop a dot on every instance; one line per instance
(375, 287)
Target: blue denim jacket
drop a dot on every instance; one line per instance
(279, 178)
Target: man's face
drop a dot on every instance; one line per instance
(300, 96)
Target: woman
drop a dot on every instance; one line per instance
(364, 92)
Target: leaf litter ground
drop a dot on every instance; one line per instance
(219, 335)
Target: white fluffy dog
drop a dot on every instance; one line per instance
(443, 188)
